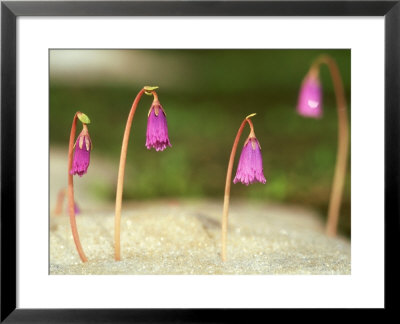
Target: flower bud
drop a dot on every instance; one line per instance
(83, 146)
(310, 97)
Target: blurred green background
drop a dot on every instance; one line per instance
(206, 94)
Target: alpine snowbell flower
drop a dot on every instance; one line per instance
(250, 167)
(310, 97)
(249, 170)
(156, 137)
(309, 105)
(78, 163)
(83, 147)
(157, 130)
(60, 202)
(77, 209)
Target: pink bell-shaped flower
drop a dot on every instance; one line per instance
(310, 97)
(81, 160)
(250, 168)
(157, 129)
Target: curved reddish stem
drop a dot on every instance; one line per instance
(71, 201)
(154, 95)
(343, 144)
(228, 186)
(121, 172)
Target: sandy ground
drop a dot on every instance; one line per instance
(183, 237)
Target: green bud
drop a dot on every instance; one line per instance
(83, 118)
(149, 89)
(252, 115)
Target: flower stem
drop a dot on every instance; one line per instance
(252, 134)
(121, 172)
(343, 145)
(71, 201)
(228, 186)
(60, 201)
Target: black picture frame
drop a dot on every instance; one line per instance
(11, 10)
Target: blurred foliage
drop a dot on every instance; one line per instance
(204, 111)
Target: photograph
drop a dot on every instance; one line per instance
(192, 161)
(199, 161)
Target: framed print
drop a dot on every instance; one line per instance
(261, 170)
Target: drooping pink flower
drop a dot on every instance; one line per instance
(310, 97)
(81, 160)
(157, 129)
(250, 168)
(76, 209)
